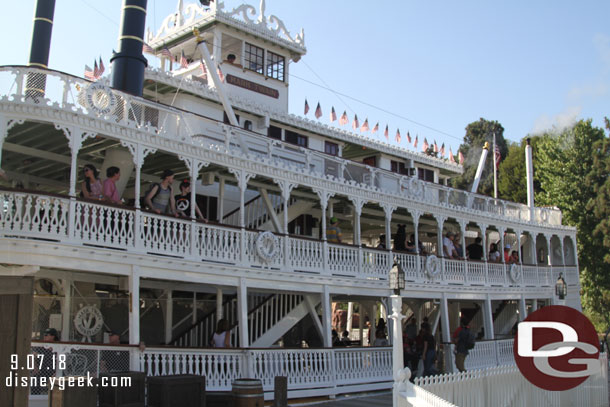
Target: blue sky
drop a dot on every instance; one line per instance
(434, 66)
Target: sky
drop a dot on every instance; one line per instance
(425, 67)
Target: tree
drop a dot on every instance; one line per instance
(512, 179)
(477, 133)
(571, 173)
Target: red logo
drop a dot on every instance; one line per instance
(556, 348)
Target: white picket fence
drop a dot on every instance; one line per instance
(499, 386)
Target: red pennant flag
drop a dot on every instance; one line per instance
(386, 133)
(408, 138)
(376, 128)
(333, 115)
(365, 125)
(343, 119)
(443, 150)
(461, 157)
(451, 157)
(398, 135)
(355, 123)
(318, 112)
(426, 145)
(306, 107)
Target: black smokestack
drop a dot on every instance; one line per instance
(41, 44)
(128, 64)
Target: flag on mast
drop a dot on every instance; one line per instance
(184, 63)
(426, 145)
(435, 147)
(355, 123)
(204, 72)
(343, 119)
(443, 150)
(96, 70)
(408, 137)
(89, 73)
(461, 157)
(306, 107)
(416, 141)
(365, 125)
(497, 155)
(451, 157)
(147, 49)
(318, 112)
(376, 128)
(386, 132)
(101, 68)
(333, 115)
(398, 135)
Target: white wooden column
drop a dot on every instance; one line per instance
(242, 181)
(194, 167)
(242, 314)
(549, 252)
(350, 315)
(483, 228)
(66, 309)
(134, 305)
(219, 310)
(324, 196)
(169, 316)
(286, 188)
(563, 254)
(440, 220)
(415, 215)
(522, 308)
(449, 366)
(138, 153)
(361, 322)
(397, 351)
(221, 199)
(388, 210)
(326, 317)
(358, 204)
(488, 318)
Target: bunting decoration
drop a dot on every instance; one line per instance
(376, 128)
(306, 107)
(425, 146)
(416, 141)
(355, 123)
(408, 138)
(333, 115)
(386, 132)
(398, 135)
(318, 112)
(461, 157)
(343, 120)
(365, 125)
(451, 157)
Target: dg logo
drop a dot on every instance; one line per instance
(556, 348)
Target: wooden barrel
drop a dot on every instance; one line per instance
(248, 393)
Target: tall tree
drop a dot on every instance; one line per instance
(477, 133)
(568, 168)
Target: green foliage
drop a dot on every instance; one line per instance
(573, 172)
(512, 180)
(477, 133)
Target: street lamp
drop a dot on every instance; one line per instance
(561, 288)
(397, 279)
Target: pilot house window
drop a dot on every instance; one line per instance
(254, 57)
(275, 66)
(295, 138)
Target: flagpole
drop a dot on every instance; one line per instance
(495, 171)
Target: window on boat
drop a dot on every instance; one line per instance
(295, 138)
(399, 167)
(225, 118)
(254, 58)
(248, 125)
(425, 175)
(275, 66)
(274, 132)
(370, 161)
(331, 148)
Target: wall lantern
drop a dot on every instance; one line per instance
(561, 288)
(397, 278)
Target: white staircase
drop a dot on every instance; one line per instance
(506, 319)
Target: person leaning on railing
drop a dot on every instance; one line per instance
(109, 189)
(92, 187)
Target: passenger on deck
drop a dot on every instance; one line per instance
(381, 244)
(380, 339)
(458, 246)
(494, 254)
(514, 257)
(109, 190)
(231, 60)
(333, 233)
(91, 188)
(475, 250)
(448, 246)
(400, 238)
(506, 253)
(222, 336)
(183, 202)
(160, 198)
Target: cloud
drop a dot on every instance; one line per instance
(559, 122)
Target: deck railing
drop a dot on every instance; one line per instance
(70, 221)
(69, 93)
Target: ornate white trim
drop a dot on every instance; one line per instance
(267, 246)
(514, 272)
(88, 321)
(433, 266)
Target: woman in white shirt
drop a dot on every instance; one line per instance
(494, 254)
(222, 336)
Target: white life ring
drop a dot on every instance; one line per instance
(514, 271)
(267, 246)
(88, 321)
(433, 267)
(100, 98)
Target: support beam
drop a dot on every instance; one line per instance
(311, 303)
(66, 307)
(271, 211)
(488, 319)
(326, 317)
(219, 310)
(242, 313)
(134, 306)
(169, 317)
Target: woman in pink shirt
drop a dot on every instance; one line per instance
(109, 190)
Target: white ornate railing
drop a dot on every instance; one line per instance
(489, 353)
(355, 366)
(77, 222)
(69, 93)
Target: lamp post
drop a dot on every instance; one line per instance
(397, 283)
(561, 288)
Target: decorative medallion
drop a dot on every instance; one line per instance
(100, 98)
(267, 246)
(433, 267)
(514, 272)
(88, 322)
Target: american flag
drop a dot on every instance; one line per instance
(355, 123)
(184, 63)
(408, 138)
(89, 73)
(426, 145)
(398, 138)
(376, 128)
(166, 53)
(443, 150)
(435, 147)
(416, 141)
(204, 72)
(451, 157)
(386, 133)
(101, 68)
(318, 112)
(306, 109)
(96, 70)
(343, 119)
(365, 125)
(497, 156)
(147, 49)
(461, 157)
(333, 114)
(220, 75)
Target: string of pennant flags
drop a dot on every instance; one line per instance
(343, 120)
